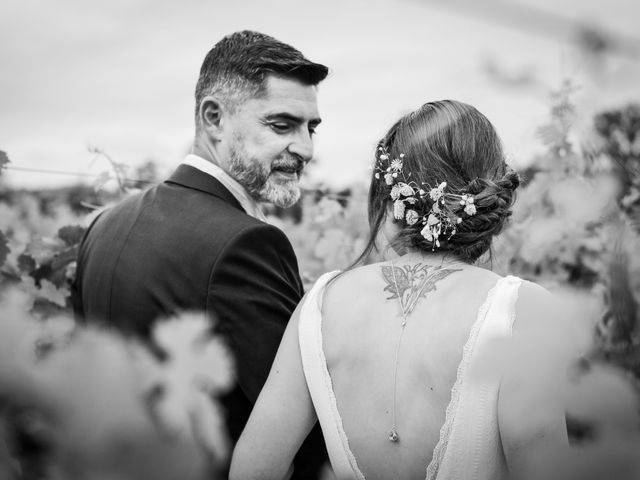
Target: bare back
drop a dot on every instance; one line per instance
(361, 325)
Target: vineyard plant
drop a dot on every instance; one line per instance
(78, 402)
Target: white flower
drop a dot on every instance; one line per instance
(384, 156)
(432, 220)
(435, 208)
(412, 217)
(432, 230)
(388, 178)
(466, 199)
(411, 200)
(470, 209)
(395, 192)
(426, 233)
(468, 202)
(437, 193)
(377, 175)
(398, 209)
(396, 165)
(406, 190)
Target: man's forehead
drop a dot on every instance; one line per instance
(288, 96)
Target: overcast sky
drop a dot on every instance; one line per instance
(120, 74)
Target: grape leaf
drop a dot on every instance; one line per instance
(198, 365)
(4, 248)
(71, 234)
(26, 263)
(44, 249)
(53, 294)
(58, 273)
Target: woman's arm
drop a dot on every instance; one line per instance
(281, 419)
(531, 413)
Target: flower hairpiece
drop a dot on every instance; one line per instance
(432, 207)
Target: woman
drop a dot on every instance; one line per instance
(388, 355)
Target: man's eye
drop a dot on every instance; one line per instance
(280, 127)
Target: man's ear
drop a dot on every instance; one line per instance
(211, 113)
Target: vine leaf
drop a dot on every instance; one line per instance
(71, 234)
(198, 365)
(26, 263)
(53, 294)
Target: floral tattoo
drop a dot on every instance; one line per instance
(412, 282)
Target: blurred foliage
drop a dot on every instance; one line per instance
(575, 228)
(82, 403)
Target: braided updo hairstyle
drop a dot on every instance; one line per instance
(448, 141)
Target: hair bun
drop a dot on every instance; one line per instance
(488, 193)
(510, 180)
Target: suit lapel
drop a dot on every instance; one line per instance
(190, 177)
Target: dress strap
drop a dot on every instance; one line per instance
(495, 318)
(314, 365)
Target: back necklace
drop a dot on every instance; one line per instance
(415, 282)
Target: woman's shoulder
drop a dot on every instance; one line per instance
(366, 280)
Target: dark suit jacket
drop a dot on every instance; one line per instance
(187, 244)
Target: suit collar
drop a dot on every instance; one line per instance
(190, 177)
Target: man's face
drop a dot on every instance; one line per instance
(270, 140)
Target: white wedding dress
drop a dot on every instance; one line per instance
(469, 446)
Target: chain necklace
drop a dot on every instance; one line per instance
(393, 433)
(406, 307)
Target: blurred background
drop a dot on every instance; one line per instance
(96, 104)
(120, 75)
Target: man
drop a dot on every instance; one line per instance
(199, 240)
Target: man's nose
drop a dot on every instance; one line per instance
(302, 146)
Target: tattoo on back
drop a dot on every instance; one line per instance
(412, 282)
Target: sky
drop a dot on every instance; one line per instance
(120, 75)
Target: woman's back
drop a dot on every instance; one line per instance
(361, 326)
(407, 401)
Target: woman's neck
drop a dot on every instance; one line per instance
(431, 258)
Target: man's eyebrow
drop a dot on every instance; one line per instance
(291, 118)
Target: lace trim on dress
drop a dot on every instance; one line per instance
(329, 388)
(445, 432)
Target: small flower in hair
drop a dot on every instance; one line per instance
(426, 233)
(398, 209)
(432, 229)
(468, 202)
(388, 178)
(406, 190)
(437, 193)
(412, 217)
(396, 165)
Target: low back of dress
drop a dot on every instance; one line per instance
(456, 408)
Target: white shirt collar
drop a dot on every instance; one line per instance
(245, 200)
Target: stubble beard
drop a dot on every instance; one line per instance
(259, 181)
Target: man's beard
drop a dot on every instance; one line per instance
(258, 179)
